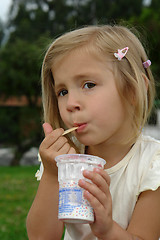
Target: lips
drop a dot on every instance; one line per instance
(81, 126)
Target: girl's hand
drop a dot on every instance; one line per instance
(98, 194)
(54, 144)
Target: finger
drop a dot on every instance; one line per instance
(104, 174)
(99, 180)
(64, 149)
(72, 151)
(94, 202)
(47, 128)
(58, 145)
(95, 191)
(51, 138)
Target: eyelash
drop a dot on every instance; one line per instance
(61, 91)
(89, 84)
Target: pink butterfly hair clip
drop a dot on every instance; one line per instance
(147, 64)
(121, 53)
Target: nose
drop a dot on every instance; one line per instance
(73, 102)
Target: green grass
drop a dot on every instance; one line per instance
(18, 187)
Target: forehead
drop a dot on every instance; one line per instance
(81, 61)
(86, 49)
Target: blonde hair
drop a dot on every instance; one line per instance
(134, 83)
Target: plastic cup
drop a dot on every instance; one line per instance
(73, 207)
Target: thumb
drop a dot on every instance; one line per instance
(47, 128)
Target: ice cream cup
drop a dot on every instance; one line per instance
(73, 207)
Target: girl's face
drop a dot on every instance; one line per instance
(88, 98)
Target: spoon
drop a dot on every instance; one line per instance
(69, 130)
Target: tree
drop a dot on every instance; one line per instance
(148, 23)
(31, 18)
(32, 24)
(20, 129)
(113, 10)
(20, 64)
(1, 32)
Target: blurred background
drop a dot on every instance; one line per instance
(25, 32)
(26, 29)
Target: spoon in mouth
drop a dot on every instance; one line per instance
(69, 130)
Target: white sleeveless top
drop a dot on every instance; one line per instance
(138, 171)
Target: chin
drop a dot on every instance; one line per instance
(87, 141)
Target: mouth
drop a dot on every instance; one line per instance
(81, 127)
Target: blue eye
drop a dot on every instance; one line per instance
(89, 85)
(62, 93)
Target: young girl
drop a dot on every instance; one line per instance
(98, 78)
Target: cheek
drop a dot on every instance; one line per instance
(63, 113)
(61, 109)
(109, 107)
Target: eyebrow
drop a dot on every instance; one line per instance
(58, 87)
(88, 75)
(84, 75)
(80, 76)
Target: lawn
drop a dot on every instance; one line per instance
(17, 190)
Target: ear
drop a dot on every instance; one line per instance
(146, 80)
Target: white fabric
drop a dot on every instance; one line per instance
(39, 172)
(138, 171)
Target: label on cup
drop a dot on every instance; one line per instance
(73, 207)
(72, 204)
